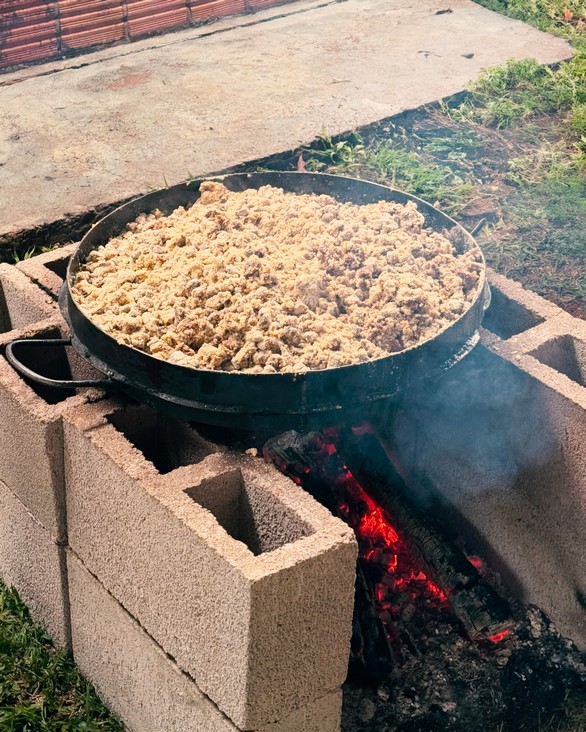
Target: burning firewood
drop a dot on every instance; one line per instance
(406, 567)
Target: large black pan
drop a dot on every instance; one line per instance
(243, 401)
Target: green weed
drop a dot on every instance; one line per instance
(459, 145)
(406, 170)
(18, 255)
(390, 163)
(517, 90)
(335, 152)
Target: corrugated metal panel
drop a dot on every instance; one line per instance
(89, 22)
(28, 31)
(149, 16)
(216, 9)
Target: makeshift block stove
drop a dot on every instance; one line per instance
(205, 591)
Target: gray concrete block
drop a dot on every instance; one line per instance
(33, 563)
(31, 442)
(48, 270)
(142, 685)
(499, 443)
(553, 356)
(554, 353)
(234, 570)
(513, 309)
(21, 301)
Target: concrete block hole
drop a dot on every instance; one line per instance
(59, 266)
(506, 317)
(565, 354)
(248, 512)
(165, 442)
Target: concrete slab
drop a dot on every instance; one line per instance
(77, 134)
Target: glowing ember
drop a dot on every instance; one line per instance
(476, 562)
(373, 524)
(398, 584)
(379, 542)
(498, 637)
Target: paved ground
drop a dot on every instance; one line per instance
(95, 129)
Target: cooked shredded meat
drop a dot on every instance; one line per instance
(264, 281)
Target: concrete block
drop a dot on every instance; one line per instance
(235, 571)
(48, 270)
(21, 302)
(142, 685)
(553, 352)
(553, 355)
(513, 309)
(499, 442)
(31, 442)
(499, 445)
(33, 563)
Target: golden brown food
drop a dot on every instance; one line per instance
(264, 281)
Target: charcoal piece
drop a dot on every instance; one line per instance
(482, 612)
(292, 452)
(371, 658)
(302, 457)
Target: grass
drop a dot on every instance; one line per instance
(562, 17)
(521, 89)
(41, 690)
(394, 164)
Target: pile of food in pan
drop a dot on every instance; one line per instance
(266, 281)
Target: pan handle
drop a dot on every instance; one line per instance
(45, 380)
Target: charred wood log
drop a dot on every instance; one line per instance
(371, 654)
(482, 612)
(301, 457)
